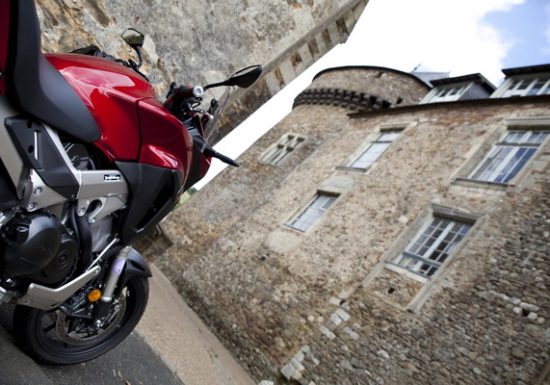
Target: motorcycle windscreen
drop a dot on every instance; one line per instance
(212, 127)
(4, 42)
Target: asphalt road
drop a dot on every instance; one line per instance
(133, 362)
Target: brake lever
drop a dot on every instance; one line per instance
(207, 150)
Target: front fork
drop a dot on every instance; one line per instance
(113, 277)
(126, 265)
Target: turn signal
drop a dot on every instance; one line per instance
(94, 295)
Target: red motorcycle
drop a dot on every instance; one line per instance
(90, 159)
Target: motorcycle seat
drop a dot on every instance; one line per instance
(35, 86)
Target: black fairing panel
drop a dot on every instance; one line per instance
(50, 165)
(8, 197)
(154, 192)
(37, 87)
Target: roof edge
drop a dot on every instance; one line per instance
(526, 69)
(486, 102)
(360, 67)
(477, 78)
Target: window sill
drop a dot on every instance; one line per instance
(467, 182)
(352, 169)
(286, 226)
(401, 270)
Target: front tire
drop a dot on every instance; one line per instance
(42, 334)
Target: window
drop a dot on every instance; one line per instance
(313, 211)
(539, 85)
(376, 148)
(508, 157)
(448, 94)
(284, 146)
(432, 246)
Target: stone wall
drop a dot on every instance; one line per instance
(386, 88)
(202, 42)
(325, 306)
(399, 88)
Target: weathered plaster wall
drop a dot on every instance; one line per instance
(204, 41)
(324, 306)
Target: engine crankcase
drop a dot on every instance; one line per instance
(29, 243)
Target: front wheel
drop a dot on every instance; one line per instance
(53, 337)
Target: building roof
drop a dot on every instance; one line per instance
(477, 78)
(455, 104)
(427, 77)
(526, 70)
(344, 68)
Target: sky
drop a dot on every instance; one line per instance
(460, 37)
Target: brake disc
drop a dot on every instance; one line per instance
(83, 332)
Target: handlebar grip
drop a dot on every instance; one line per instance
(225, 159)
(183, 91)
(177, 95)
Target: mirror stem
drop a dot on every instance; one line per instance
(214, 85)
(138, 51)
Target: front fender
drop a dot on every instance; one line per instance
(135, 266)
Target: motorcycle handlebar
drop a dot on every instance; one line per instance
(175, 98)
(178, 94)
(207, 150)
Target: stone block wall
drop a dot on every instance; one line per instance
(326, 306)
(399, 88)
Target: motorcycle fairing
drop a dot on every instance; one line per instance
(38, 152)
(134, 125)
(165, 141)
(154, 192)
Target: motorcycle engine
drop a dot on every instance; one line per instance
(51, 245)
(79, 156)
(37, 246)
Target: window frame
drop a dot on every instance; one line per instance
(511, 87)
(302, 212)
(518, 165)
(435, 95)
(443, 95)
(424, 234)
(350, 164)
(284, 146)
(416, 228)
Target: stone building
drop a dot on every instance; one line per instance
(201, 42)
(387, 231)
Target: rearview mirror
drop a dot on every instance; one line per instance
(246, 77)
(243, 78)
(133, 37)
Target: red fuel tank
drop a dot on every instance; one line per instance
(134, 124)
(111, 92)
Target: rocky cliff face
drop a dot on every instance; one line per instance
(187, 41)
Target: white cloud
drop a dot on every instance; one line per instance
(442, 35)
